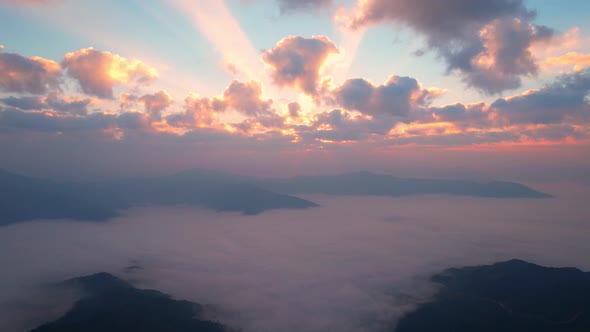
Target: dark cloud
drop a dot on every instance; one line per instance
(50, 122)
(397, 97)
(566, 98)
(98, 72)
(504, 56)
(31, 2)
(462, 116)
(53, 102)
(296, 61)
(441, 20)
(33, 75)
(289, 6)
(487, 42)
(294, 109)
(24, 103)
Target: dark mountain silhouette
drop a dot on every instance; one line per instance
(24, 198)
(509, 296)
(366, 183)
(111, 304)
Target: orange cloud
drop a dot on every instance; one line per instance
(98, 72)
(577, 61)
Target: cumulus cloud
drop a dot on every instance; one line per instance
(397, 97)
(296, 61)
(565, 98)
(506, 55)
(33, 74)
(98, 72)
(246, 97)
(155, 103)
(487, 42)
(243, 97)
(55, 101)
(198, 112)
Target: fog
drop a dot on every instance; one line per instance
(353, 264)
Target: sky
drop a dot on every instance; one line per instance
(470, 88)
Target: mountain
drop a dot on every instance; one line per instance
(508, 296)
(24, 198)
(111, 304)
(366, 183)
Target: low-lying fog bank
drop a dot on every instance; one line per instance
(353, 264)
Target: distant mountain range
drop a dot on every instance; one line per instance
(25, 198)
(111, 304)
(366, 183)
(510, 296)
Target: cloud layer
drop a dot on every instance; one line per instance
(353, 264)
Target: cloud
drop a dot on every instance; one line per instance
(155, 103)
(127, 100)
(566, 98)
(198, 112)
(51, 122)
(33, 75)
(290, 6)
(577, 61)
(296, 61)
(89, 124)
(30, 2)
(487, 42)
(55, 101)
(294, 110)
(462, 116)
(338, 125)
(505, 56)
(340, 267)
(397, 97)
(246, 98)
(448, 20)
(98, 72)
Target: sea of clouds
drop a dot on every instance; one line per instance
(353, 264)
